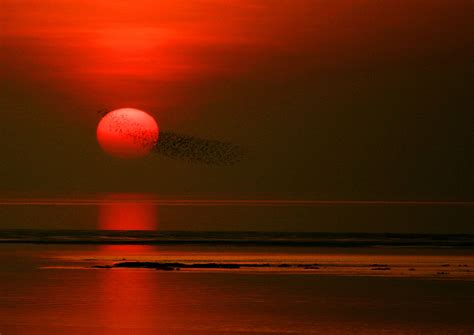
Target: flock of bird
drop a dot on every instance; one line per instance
(198, 150)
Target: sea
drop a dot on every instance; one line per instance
(115, 267)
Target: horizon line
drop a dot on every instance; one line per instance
(221, 202)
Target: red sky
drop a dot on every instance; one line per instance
(153, 55)
(334, 99)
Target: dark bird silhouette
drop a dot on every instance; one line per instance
(198, 150)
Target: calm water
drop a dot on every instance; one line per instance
(51, 289)
(362, 283)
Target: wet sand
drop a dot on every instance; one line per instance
(440, 263)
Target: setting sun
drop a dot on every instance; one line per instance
(127, 133)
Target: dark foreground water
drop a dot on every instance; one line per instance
(53, 289)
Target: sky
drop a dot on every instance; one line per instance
(332, 99)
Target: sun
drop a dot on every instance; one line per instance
(127, 133)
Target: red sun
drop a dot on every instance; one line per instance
(127, 133)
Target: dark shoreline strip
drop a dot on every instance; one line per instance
(178, 266)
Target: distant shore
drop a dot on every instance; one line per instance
(306, 239)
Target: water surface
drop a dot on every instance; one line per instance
(38, 299)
